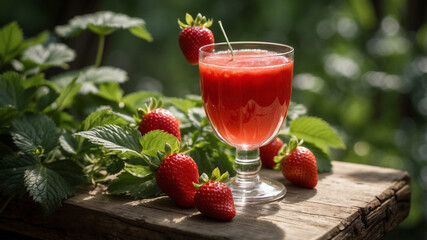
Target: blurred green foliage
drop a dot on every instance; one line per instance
(360, 64)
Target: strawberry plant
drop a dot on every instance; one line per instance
(78, 127)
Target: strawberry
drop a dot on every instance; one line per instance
(175, 177)
(193, 36)
(269, 151)
(298, 164)
(155, 118)
(213, 198)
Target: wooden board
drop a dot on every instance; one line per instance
(354, 202)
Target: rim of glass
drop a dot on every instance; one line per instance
(291, 49)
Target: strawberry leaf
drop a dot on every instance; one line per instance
(137, 187)
(12, 43)
(138, 170)
(47, 99)
(33, 132)
(53, 55)
(322, 159)
(201, 154)
(115, 138)
(11, 37)
(68, 143)
(39, 39)
(137, 99)
(316, 131)
(47, 187)
(68, 170)
(114, 164)
(13, 92)
(47, 184)
(110, 91)
(183, 104)
(12, 171)
(67, 95)
(7, 114)
(156, 140)
(208, 156)
(196, 116)
(90, 78)
(102, 117)
(103, 23)
(141, 32)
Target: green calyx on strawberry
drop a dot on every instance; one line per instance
(175, 176)
(297, 164)
(213, 198)
(194, 34)
(153, 117)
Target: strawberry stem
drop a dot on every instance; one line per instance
(226, 39)
(100, 51)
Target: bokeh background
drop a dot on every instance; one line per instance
(359, 64)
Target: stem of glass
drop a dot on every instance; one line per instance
(247, 165)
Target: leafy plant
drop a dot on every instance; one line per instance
(12, 42)
(103, 23)
(78, 127)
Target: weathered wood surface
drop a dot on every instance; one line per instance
(353, 202)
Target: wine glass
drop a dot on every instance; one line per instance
(246, 98)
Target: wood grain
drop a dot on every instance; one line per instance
(353, 202)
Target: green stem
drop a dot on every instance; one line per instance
(226, 39)
(100, 50)
(6, 203)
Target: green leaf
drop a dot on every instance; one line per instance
(202, 156)
(322, 159)
(66, 97)
(68, 143)
(114, 164)
(138, 170)
(103, 23)
(196, 116)
(316, 131)
(33, 132)
(68, 170)
(10, 39)
(102, 117)
(13, 92)
(110, 91)
(141, 32)
(7, 114)
(49, 96)
(224, 162)
(36, 81)
(155, 141)
(115, 138)
(47, 187)
(54, 55)
(91, 77)
(39, 39)
(138, 99)
(12, 171)
(137, 187)
(183, 104)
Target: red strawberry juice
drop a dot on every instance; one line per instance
(246, 98)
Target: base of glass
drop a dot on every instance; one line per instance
(263, 190)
